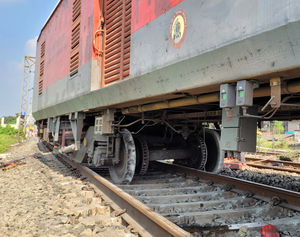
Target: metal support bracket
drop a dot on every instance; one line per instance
(268, 103)
(110, 146)
(107, 126)
(275, 84)
(76, 120)
(57, 125)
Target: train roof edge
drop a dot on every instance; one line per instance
(48, 19)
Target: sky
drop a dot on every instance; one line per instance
(21, 22)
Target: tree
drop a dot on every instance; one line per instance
(278, 127)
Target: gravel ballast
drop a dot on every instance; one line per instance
(41, 197)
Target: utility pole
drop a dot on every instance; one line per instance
(28, 63)
(29, 119)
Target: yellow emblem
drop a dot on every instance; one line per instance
(178, 29)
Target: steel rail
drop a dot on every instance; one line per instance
(288, 198)
(152, 222)
(274, 168)
(261, 163)
(287, 163)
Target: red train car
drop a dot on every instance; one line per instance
(121, 83)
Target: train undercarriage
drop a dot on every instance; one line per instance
(130, 143)
(188, 133)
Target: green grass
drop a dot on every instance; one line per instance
(269, 144)
(8, 136)
(6, 141)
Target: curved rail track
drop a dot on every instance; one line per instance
(171, 200)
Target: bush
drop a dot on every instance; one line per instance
(265, 143)
(8, 130)
(12, 122)
(277, 144)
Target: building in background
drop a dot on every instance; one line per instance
(12, 125)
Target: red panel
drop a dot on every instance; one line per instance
(57, 34)
(97, 27)
(145, 11)
(87, 24)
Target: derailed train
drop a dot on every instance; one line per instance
(120, 83)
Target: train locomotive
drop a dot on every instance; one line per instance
(121, 83)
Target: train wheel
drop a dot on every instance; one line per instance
(200, 152)
(142, 155)
(215, 157)
(123, 172)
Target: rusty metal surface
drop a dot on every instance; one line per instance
(153, 223)
(263, 191)
(275, 84)
(216, 113)
(75, 35)
(42, 66)
(201, 99)
(117, 40)
(233, 166)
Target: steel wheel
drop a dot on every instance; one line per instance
(199, 158)
(200, 153)
(123, 172)
(215, 157)
(142, 155)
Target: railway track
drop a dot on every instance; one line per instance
(274, 164)
(171, 200)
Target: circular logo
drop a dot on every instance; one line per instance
(178, 29)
